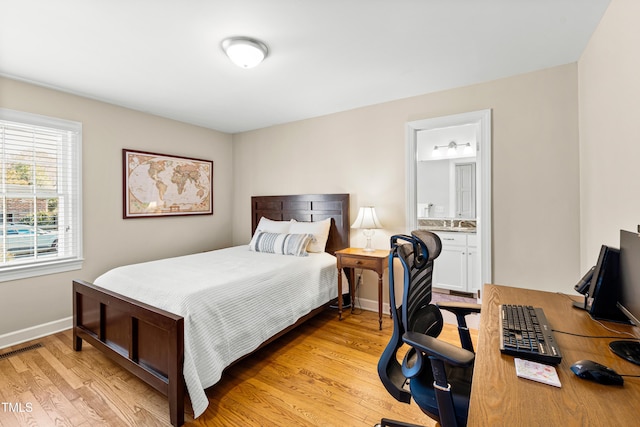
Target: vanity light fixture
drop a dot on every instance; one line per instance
(452, 149)
(367, 221)
(245, 52)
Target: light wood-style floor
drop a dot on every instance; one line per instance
(321, 374)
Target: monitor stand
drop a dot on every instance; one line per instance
(628, 350)
(583, 305)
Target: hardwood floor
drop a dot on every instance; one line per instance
(321, 374)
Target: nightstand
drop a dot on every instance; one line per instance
(352, 258)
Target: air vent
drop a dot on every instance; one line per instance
(19, 351)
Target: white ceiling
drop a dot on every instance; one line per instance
(164, 56)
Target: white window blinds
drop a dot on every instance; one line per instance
(40, 213)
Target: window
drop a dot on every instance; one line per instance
(40, 212)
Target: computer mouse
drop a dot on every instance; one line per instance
(594, 371)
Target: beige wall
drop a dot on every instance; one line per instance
(536, 212)
(609, 90)
(108, 239)
(362, 152)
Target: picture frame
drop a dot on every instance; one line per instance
(160, 185)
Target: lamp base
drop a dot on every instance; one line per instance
(368, 247)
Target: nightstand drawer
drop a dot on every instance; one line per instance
(357, 262)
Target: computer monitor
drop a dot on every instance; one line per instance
(602, 293)
(629, 297)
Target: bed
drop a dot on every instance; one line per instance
(152, 342)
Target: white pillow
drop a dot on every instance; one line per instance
(319, 230)
(279, 243)
(271, 226)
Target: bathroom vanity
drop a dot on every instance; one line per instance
(457, 268)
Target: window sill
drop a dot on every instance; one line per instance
(52, 267)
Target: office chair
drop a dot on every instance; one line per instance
(438, 373)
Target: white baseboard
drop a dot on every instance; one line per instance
(371, 305)
(35, 332)
(473, 320)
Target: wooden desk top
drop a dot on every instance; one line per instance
(500, 398)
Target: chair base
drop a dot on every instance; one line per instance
(392, 423)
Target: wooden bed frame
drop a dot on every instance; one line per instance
(149, 342)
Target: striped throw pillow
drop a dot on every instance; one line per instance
(283, 244)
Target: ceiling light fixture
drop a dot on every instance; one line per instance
(245, 52)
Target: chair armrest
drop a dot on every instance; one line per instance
(442, 350)
(459, 308)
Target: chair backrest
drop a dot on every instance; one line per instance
(417, 260)
(416, 254)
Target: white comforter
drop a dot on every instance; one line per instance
(232, 300)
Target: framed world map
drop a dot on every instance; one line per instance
(164, 185)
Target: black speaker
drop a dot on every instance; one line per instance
(605, 287)
(583, 287)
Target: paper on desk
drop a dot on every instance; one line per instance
(537, 372)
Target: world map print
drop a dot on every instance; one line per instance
(165, 185)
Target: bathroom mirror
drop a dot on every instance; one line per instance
(445, 188)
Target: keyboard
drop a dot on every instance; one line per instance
(526, 334)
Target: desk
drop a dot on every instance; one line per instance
(500, 398)
(376, 260)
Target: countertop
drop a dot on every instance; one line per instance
(449, 229)
(453, 225)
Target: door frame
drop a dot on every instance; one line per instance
(482, 120)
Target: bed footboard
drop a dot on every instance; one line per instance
(146, 341)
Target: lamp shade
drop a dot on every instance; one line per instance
(367, 219)
(245, 52)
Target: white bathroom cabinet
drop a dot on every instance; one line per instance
(457, 267)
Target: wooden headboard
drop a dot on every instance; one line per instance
(307, 207)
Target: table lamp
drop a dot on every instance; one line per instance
(367, 221)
